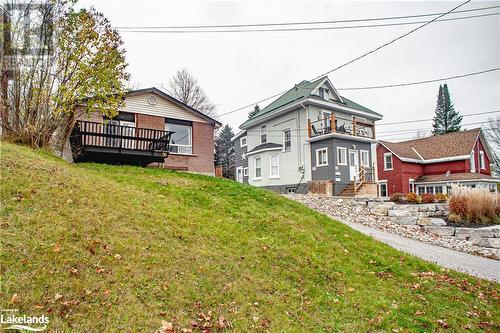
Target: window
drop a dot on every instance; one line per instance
(239, 174)
(410, 185)
(287, 140)
(245, 172)
(383, 189)
(341, 156)
(429, 189)
(388, 161)
(472, 163)
(243, 141)
(482, 163)
(321, 157)
(365, 158)
(420, 190)
(263, 134)
(258, 170)
(181, 140)
(274, 171)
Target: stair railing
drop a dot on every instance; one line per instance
(360, 180)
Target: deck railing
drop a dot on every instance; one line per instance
(329, 125)
(109, 135)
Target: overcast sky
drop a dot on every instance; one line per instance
(237, 69)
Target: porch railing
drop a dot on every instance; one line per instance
(329, 125)
(365, 175)
(108, 135)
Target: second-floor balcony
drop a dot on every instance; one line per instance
(330, 124)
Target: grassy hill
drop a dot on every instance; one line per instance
(116, 249)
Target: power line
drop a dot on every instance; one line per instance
(357, 58)
(142, 30)
(403, 132)
(428, 119)
(301, 23)
(421, 82)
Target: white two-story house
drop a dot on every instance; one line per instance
(309, 134)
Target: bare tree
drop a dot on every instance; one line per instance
(184, 86)
(493, 136)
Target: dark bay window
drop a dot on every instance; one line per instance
(181, 141)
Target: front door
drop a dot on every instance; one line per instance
(353, 164)
(239, 174)
(128, 129)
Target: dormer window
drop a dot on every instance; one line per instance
(324, 93)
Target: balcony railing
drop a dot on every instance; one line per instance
(354, 128)
(119, 137)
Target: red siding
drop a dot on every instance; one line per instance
(398, 178)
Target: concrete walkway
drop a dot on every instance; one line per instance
(480, 267)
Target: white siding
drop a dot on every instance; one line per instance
(163, 108)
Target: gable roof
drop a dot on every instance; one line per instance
(304, 90)
(462, 176)
(174, 100)
(456, 145)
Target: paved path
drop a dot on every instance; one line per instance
(484, 268)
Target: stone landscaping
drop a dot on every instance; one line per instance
(423, 222)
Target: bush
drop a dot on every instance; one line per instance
(413, 198)
(397, 197)
(454, 218)
(428, 198)
(475, 205)
(440, 197)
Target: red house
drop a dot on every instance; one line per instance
(431, 165)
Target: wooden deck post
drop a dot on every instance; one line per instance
(309, 128)
(354, 126)
(332, 120)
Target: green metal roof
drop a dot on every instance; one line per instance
(301, 91)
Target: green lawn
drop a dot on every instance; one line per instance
(119, 249)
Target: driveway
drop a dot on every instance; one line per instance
(480, 267)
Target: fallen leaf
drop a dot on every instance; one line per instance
(57, 297)
(222, 323)
(14, 299)
(351, 290)
(74, 271)
(442, 323)
(166, 327)
(117, 256)
(56, 248)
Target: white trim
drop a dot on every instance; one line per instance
(379, 191)
(460, 181)
(361, 159)
(283, 139)
(482, 161)
(245, 171)
(416, 152)
(263, 150)
(271, 176)
(430, 161)
(260, 133)
(241, 141)
(385, 162)
(255, 168)
(325, 150)
(338, 160)
(239, 169)
(472, 161)
(342, 136)
(240, 133)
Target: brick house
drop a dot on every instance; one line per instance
(153, 128)
(431, 165)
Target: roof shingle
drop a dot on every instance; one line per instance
(435, 147)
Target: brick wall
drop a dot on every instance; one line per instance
(147, 121)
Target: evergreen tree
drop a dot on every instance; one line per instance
(256, 109)
(224, 152)
(446, 120)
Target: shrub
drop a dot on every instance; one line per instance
(454, 218)
(427, 198)
(475, 205)
(413, 198)
(440, 197)
(397, 197)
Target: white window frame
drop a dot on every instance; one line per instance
(411, 185)
(472, 162)
(238, 170)
(263, 133)
(271, 175)
(189, 146)
(385, 162)
(255, 168)
(245, 172)
(482, 161)
(318, 151)
(284, 139)
(339, 162)
(363, 162)
(380, 184)
(241, 141)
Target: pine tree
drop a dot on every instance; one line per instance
(224, 152)
(256, 109)
(446, 120)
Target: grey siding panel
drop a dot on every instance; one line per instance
(238, 160)
(328, 172)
